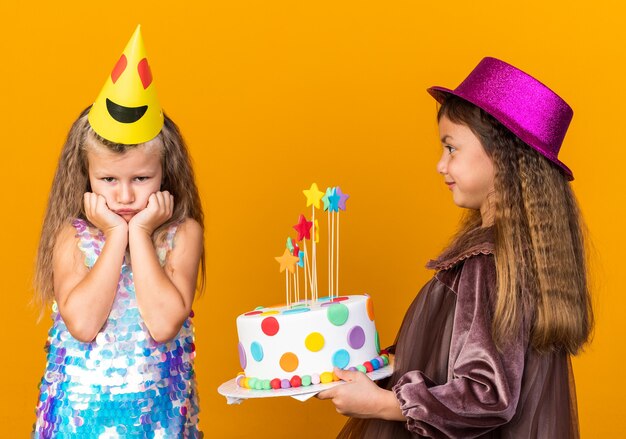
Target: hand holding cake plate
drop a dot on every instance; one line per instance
(236, 395)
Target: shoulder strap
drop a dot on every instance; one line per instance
(165, 246)
(90, 240)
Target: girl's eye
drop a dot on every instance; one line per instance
(450, 149)
(141, 178)
(108, 179)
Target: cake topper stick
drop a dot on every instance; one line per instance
(332, 254)
(337, 259)
(316, 240)
(307, 273)
(288, 290)
(330, 274)
(331, 205)
(305, 268)
(296, 286)
(326, 201)
(341, 205)
(313, 196)
(314, 256)
(296, 276)
(298, 281)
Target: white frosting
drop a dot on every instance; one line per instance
(293, 330)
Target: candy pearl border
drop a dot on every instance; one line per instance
(253, 383)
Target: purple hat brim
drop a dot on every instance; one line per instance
(440, 93)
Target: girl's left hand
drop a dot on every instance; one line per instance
(159, 209)
(360, 397)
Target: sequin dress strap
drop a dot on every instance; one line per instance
(167, 244)
(90, 240)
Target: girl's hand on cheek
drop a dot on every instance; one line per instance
(99, 214)
(159, 209)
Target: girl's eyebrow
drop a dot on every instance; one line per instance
(446, 137)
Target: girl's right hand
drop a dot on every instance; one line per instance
(99, 214)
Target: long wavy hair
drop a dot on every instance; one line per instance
(539, 254)
(540, 250)
(71, 181)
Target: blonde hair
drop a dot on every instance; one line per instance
(71, 181)
(539, 239)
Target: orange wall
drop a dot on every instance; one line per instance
(273, 95)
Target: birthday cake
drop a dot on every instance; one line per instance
(298, 345)
(299, 342)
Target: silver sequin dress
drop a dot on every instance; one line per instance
(123, 384)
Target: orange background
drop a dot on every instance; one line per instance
(274, 95)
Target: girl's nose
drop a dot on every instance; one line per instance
(442, 164)
(125, 194)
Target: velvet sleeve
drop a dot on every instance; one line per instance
(483, 384)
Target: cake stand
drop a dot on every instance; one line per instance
(236, 395)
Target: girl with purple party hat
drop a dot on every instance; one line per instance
(119, 256)
(484, 349)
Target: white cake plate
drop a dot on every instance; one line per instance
(236, 395)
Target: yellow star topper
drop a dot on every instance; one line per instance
(127, 110)
(287, 261)
(313, 196)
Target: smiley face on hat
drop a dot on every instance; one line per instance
(127, 110)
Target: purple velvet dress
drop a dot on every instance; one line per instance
(452, 381)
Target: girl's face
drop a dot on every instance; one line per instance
(126, 180)
(467, 170)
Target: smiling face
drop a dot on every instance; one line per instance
(126, 180)
(467, 169)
